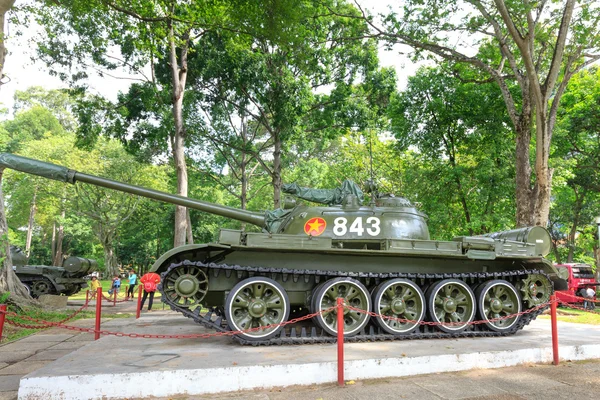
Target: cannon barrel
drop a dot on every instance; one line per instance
(63, 174)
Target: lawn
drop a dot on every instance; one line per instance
(12, 333)
(566, 314)
(106, 284)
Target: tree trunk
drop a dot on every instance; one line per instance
(276, 170)
(524, 191)
(57, 258)
(178, 78)
(110, 261)
(9, 282)
(32, 211)
(190, 234)
(5, 5)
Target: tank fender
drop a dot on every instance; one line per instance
(175, 254)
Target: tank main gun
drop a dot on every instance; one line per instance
(63, 174)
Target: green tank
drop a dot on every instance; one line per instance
(42, 279)
(377, 257)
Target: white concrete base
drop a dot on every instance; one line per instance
(164, 383)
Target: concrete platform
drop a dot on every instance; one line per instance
(120, 367)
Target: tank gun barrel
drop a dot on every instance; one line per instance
(63, 174)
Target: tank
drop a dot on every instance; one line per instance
(42, 279)
(377, 257)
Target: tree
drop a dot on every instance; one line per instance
(294, 83)
(537, 45)
(8, 280)
(143, 31)
(576, 158)
(462, 140)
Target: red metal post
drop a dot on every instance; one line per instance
(2, 318)
(98, 313)
(139, 303)
(87, 298)
(340, 340)
(554, 328)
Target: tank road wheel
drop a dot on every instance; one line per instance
(354, 294)
(256, 302)
(41, 287)
(27, 288)
(451, 300)
(399, 298)
(185, 286)
(496, 299)
(535, 289)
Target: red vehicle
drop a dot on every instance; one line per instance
(579, 276)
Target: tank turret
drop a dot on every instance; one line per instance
(378, 257)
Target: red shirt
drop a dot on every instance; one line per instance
(150, 280)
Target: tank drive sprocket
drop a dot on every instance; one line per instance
(535, 289)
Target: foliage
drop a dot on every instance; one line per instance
(575, 158)
(536, 46)
(458, 133)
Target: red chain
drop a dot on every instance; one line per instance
(45, 323)
(569, 305)
(292, 321)
(150, 336)
(111, 300)
(581, 300)
(402, 320)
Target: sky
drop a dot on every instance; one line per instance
(23, 72)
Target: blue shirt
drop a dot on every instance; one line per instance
(132, 279)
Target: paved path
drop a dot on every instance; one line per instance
(29, 354)
(568, 381)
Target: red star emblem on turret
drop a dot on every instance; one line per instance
(315, 226)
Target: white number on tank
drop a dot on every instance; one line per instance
(340, 226)
(374, 229)
(357, 227)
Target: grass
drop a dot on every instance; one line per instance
(566, 314)
(12, 333)
(106, 284)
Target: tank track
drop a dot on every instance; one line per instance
(213, 319)
(30, 280)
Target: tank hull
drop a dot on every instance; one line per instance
(301, 266)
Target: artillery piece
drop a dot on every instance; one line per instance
(377, 257)
(42, 279)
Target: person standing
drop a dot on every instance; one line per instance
(116, 285)
(132, 283)
(94, 285)
(590, 294)
(149, 280)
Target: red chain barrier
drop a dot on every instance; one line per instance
(554, 328)
(45, 324)
(573, 306)
(98, 313)
(340, 340)
(60, 324)
(139, 303)
(430, 323)
(2, 318)
(113, 300)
